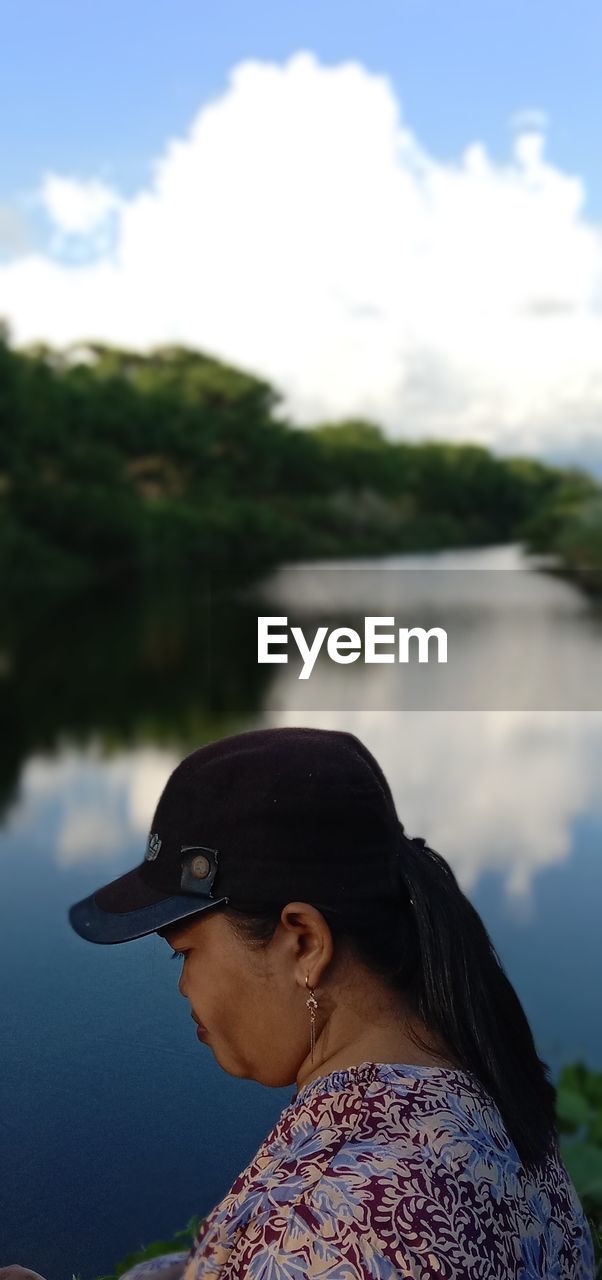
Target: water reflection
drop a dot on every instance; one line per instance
(97, 713)
(170, 667)
(100, 697)
(493, 791)
(90, 805)
(517, 638)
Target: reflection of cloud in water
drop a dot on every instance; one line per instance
(492, 791)
(85, 806)
(89, 833)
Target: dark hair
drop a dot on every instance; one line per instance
(431, 945)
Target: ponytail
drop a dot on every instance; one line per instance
(426, 941)
(460, 991)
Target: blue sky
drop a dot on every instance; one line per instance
(391, 209)
(92, 87)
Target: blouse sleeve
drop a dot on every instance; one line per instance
(292, 1243)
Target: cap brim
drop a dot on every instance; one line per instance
(128, 908)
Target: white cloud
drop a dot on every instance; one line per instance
(300, 229)
(14, 233)
(75, 207)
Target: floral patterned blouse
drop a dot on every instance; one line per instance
(383, 1170)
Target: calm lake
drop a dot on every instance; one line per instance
(117, 1124)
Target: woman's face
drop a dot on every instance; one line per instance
(250, 1001)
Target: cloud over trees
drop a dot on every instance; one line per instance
(301, 230)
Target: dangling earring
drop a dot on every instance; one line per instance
(312, 1005)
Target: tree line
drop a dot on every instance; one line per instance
(115, 463)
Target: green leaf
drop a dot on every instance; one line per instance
(594, 1133)
(179, 1242)
(584, 1164)
(579, 1079)
(572, 1109)
(155, 1250)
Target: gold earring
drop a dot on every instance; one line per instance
(312, 1005)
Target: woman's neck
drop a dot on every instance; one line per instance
(384, 1040)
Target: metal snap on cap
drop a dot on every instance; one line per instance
(200, 867)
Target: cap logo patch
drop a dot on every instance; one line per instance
(154, 845)
(200, 867)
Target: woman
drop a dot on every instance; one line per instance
(322, 946)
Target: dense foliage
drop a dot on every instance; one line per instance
(579, 1114)
(568, 523)
(115, 463)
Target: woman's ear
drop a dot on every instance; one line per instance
(312, 937)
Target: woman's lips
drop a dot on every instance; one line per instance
(201, 1031)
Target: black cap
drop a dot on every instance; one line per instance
(264, 817)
